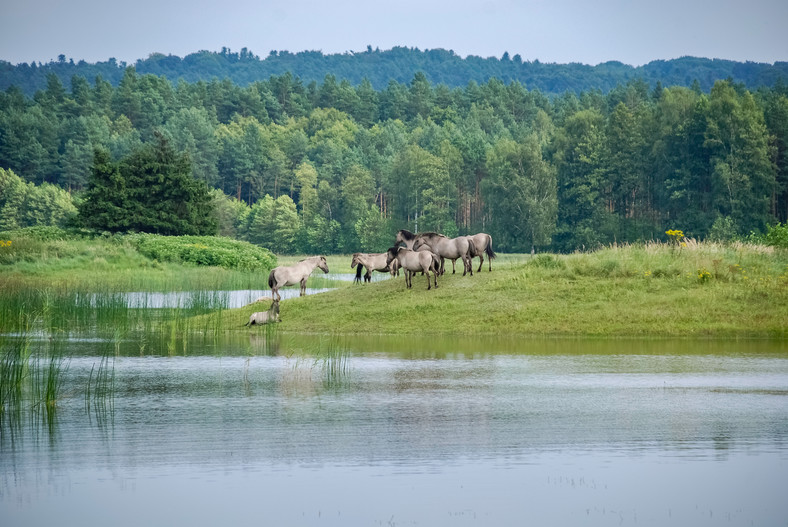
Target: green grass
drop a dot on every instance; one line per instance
(704, 289)
(697, 289)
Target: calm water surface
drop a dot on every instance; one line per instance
(488, 432)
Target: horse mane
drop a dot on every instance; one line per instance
(431, 233)
(407, 234)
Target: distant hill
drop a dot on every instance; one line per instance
(400, 64)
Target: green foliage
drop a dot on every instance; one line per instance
(377, 67)
(777, 235)
(25, 204)
(150, 191)
(340, 164)
(204, 250)
(723, 230)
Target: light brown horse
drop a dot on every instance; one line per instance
(373, 262)
(265, 317)
(451, 248)
(413, 262)
(294, 274)
(482, 244)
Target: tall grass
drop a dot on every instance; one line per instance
(13, 371)
(100, 389)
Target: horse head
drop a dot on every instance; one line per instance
(355, 260)
(391, 254)
(323, 264)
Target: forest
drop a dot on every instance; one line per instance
(334, 166)
(400, 64)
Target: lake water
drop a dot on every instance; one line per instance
(256, 430)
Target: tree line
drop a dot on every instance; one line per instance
(333, 166)
(400, 64)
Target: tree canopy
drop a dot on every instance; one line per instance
(151, 190)
(333, 167)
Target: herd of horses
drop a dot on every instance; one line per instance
(424, 252)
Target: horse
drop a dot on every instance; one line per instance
(413, 262)
(406, 237)
(373, 262)
(265, 317)
(451, 248)
(482, 243)
(293, 274)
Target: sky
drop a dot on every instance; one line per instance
(634, 32)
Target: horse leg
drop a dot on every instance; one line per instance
(303, 286)
(481, 261)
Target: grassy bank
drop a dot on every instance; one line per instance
(670, 290)
(49, 257)
(696, 290)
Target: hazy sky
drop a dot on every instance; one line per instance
(586, 31)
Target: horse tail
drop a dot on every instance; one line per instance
(436, 261)
(271, 279)
(471, 247)
(489, 249)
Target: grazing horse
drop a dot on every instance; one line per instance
(451, 248)
(482, 244)
(373, 262)
(294, 274)
(265, 317)
(413, 262)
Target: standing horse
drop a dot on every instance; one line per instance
(409, 239)
(451, 248)
(293, 274)
(373, 262)
(413, 262)
(482, 244)
(406, 237)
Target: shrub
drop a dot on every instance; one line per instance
(204, 250)
(777, 235)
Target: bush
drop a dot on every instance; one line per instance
(777, 235)
(204, 250)
(41, 233)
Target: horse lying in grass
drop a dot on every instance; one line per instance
(265, 317)
(297, 273)
(372, 262)
(413, 262)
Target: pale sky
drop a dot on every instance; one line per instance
(631, 31)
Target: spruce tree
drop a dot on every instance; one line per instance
(152, 190)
